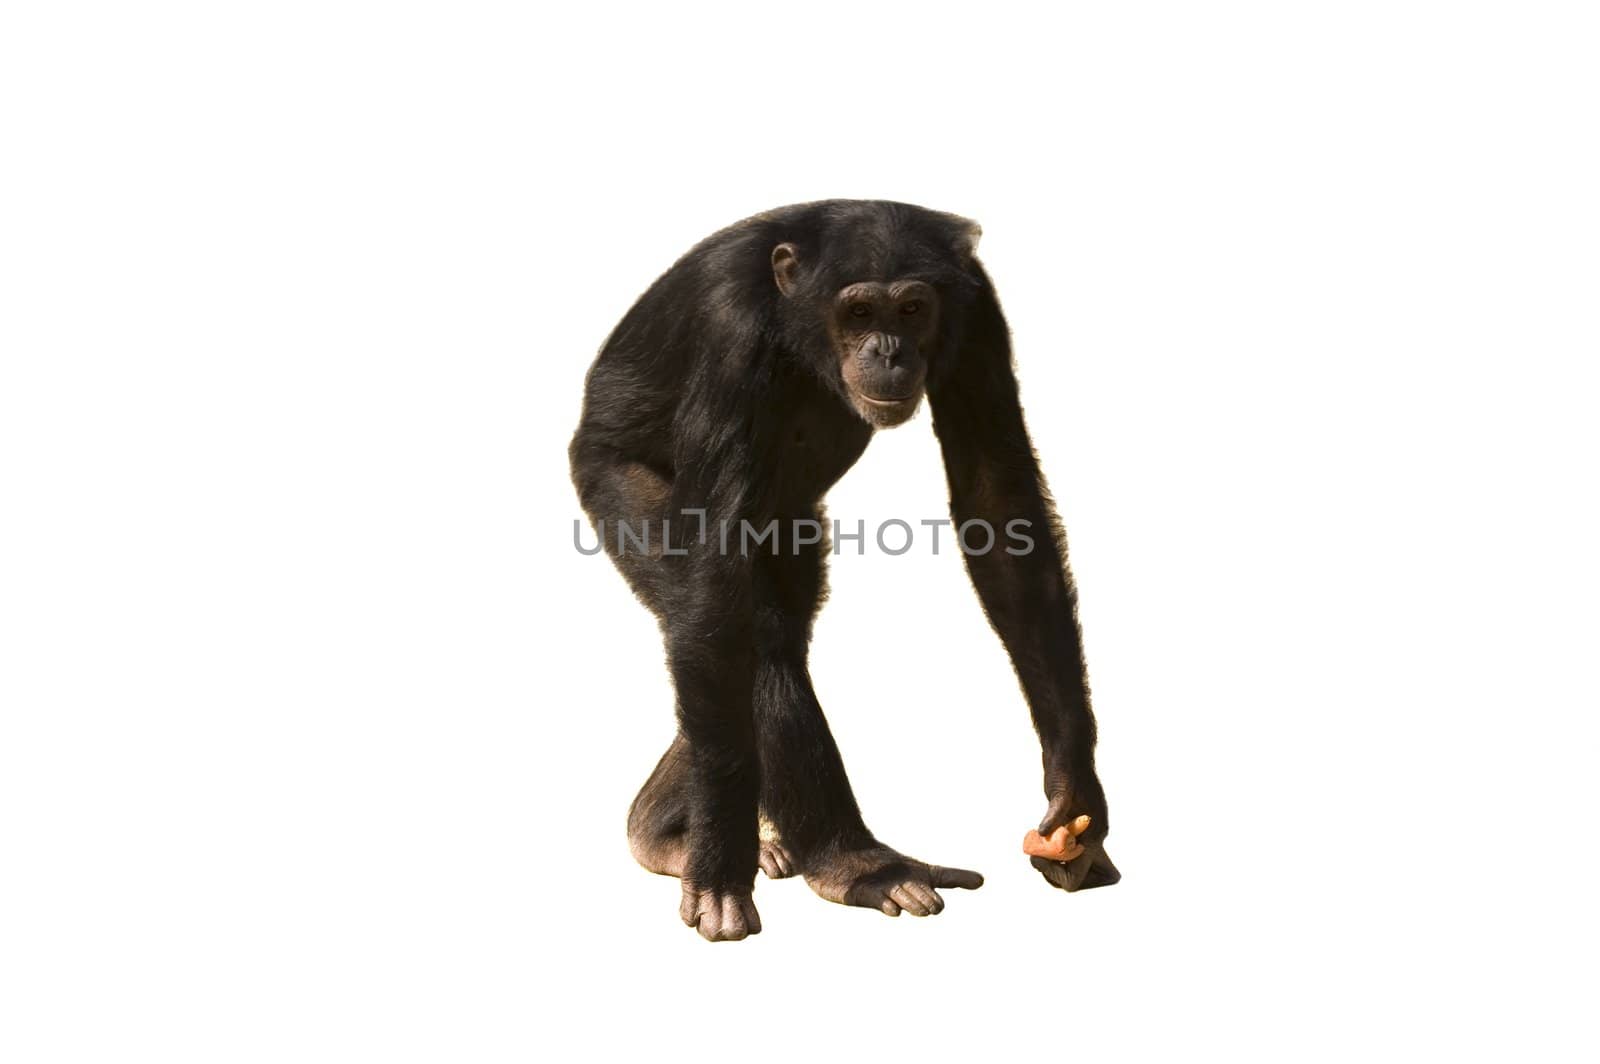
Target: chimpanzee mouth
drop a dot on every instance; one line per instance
(888, 400)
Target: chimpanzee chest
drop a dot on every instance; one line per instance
(820, 440)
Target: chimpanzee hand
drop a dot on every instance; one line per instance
(1069, 847)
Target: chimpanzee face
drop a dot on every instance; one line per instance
(881, 334)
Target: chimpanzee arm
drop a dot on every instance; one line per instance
(1022, 579)
(718, 486)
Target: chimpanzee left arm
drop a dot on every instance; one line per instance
(1022, 579)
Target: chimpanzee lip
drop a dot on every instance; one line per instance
(887, 400)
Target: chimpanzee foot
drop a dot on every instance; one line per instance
(719, 916)
(665, 855)
(775, 861)
(876, 877)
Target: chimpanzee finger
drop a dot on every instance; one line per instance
(907, 901)
(1053, 871)
(1054, 814)
(954, 877)
(733, 923)
(1076, 870)
(928, 896)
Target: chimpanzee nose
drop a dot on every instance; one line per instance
(883, 347)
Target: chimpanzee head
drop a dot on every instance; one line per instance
(880, 290)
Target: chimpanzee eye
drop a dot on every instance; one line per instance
(859, 310)
(910, 307)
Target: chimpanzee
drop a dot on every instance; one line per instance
(736, 391)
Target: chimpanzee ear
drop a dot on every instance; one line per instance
(785, 267)
(967, 238)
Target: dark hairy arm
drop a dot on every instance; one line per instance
(1026, 590)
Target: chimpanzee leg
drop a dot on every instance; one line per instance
(710, 653)
(804, 789)
(805, 793)
(696, 815)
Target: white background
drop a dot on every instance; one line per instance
(318, 735)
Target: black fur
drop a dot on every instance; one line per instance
(717, 392)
